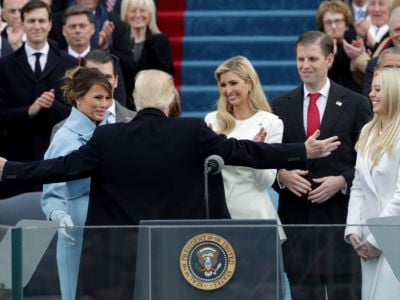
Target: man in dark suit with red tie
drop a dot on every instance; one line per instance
(318, 258)
(31, 101)
(78, 28)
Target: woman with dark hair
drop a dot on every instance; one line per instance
(90, 93)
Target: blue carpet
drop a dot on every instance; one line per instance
(263, 31)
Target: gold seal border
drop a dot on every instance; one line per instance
(231, 261)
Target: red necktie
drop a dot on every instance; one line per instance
(313, 114)
(79, 60)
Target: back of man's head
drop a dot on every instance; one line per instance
(99, 56)
(154, 89)
(390, 57)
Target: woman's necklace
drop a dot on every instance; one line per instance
(380, 128)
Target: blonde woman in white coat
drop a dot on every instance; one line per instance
(376, 186)
(244, 113)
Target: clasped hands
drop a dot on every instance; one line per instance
(64, 220)
(364, 248)
(299, 184)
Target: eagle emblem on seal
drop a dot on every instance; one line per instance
(208, 260)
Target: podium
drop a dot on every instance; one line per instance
(209, 259)
(20, 257)
(386, 231)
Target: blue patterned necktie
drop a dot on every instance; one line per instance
(360, 14)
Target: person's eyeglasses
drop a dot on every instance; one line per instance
(337, 22)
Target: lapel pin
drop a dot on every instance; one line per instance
(339, 103)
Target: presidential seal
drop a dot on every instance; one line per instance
(207, 261)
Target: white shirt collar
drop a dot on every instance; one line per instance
(76, 54)
(357, 8)
(324, 91)
(111, 118)
(29, 50)
(378, 32)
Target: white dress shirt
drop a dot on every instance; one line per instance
(32, 58)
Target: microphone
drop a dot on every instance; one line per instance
(213, 164)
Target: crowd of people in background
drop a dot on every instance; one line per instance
(67, 67)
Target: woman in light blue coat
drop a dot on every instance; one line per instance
(90, 93)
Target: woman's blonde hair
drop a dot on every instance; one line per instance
(373, 142)
(242, 67)
(149, 4)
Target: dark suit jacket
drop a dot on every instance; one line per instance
(120, 36)
(156, 54)
(117, 6)
(119, 46)
(369, 75)
(28, 138)
(5, 47)
(340, 71)
(152, 168)
(59, 5)
(369, 72)
(345, 114)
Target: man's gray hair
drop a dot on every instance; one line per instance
(153, 89)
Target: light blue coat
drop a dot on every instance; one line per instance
(71, 197)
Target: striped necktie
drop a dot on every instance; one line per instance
(110, 5)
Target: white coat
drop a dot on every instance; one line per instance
(375, 193)
(246, 189)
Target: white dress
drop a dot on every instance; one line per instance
(246, 189)
(375, 193)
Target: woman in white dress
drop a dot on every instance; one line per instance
(376, 187)
(243, 113)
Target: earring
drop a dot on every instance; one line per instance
(77, 103)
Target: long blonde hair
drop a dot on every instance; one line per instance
(373, 142)
(149, 4)
(242, 67)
